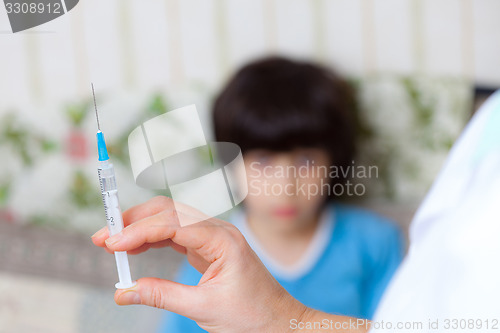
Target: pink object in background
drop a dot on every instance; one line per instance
(7, 215)
(77, 146)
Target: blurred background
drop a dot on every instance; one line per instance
(420, 69)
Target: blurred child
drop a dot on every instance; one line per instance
(294, 122)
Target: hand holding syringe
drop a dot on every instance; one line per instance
(112, 209)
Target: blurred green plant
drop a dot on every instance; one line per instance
(77, 112)
(25, 142)
(46, 220)
(436, 109)
(424, 108)
(14, 134)
(423, 112)
(157, 106)
(4, 193)
(82, 193)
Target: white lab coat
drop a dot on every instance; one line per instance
(452, 271)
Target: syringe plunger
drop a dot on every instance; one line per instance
(123, 271)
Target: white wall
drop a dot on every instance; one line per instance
(161, 44)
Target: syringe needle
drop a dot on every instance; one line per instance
(95, 106)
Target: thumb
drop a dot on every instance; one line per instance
(163, 294)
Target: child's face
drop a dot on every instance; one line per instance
(284, 189)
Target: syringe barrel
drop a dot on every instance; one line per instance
(110, 197)
(114, 219)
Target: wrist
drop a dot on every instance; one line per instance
(289, 310)
(308, 315)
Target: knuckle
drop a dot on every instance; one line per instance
(234, 231)
(129, 230)
(168, 217)
(156, 297)
(172, 213)
(235, 236)
(161, 200)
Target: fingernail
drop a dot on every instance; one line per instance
(99, 233)
(129, 297)
(114, 239)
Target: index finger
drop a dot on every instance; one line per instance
(209, 238)
(149, 208)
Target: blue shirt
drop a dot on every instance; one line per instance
(352, 257)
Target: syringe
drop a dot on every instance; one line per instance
(111, 205)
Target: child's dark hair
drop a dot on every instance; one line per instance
(280, 104)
